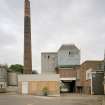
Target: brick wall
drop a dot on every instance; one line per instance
(36, 87)
(67, 72)
(81, 72)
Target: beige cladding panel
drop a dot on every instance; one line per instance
(36, 87)
(20, 87)
(33, 87)
(36, 83)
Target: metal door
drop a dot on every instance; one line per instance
(97, 83)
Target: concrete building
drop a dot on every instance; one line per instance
(49, 62)
(67, 56)
(90, 78)
(68, 62)
(64, 62)
(35, 84)
(60, 70)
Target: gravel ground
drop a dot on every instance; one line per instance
(12, 99)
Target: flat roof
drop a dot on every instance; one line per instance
(39, 77)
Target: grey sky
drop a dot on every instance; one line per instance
(54, 22)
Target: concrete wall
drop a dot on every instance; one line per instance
(68, 55)
(12, 79)
(48, 62)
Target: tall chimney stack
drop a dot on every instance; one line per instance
(27, 39)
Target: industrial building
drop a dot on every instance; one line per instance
(3, 78)
(61, 70)
(35, 84)
(48, 62)
(90, 78)
(64, 62)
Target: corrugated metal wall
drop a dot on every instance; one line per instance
(98, 83)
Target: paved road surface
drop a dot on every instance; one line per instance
(6, 99)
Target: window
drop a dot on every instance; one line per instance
(48, 57)
(88, 74)
(69, 53)
(1, 86)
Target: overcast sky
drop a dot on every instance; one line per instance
(54, 22)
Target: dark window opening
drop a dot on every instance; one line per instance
(48, 57)
(69, 52)
(1, 86)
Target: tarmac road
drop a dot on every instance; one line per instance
(6, 99)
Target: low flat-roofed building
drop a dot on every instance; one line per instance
(35, 84)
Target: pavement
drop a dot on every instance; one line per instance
(103, 101)
(73, 99)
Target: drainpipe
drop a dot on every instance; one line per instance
(91, 84)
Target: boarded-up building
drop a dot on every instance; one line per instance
(35, 84)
